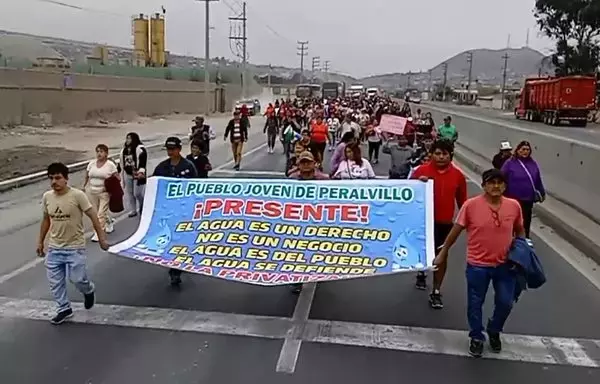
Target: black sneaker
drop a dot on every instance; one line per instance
(175, 281)
(296, 289)
(476, 348)
(89, 300)
(435, 300)
(421, 283)
(495, 342)
(61, 317)
(175, 276)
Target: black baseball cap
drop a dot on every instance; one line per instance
(492, 174)
(173, 143)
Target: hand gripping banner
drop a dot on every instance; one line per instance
(275, 232)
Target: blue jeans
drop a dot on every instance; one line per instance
(61, 263)
(478, 280)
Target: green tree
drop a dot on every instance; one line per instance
(575, 26)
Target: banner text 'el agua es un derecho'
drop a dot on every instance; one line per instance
(274, 232)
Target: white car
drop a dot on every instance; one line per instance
(414, 99)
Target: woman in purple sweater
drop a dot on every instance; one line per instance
(340, 151)
(524, 181)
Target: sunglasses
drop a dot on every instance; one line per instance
(496, 218)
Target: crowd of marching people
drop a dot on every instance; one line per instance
(353, 132)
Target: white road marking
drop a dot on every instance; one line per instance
(288, 357)
(520, 348)
(587, 267)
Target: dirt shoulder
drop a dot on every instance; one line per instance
(24, 150)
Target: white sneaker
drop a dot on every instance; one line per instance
(95, 238)
(110, 226)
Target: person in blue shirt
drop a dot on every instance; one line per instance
(179, 167)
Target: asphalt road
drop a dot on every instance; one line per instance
(590, 134)
(212, 331)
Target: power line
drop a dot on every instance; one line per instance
(302, 52)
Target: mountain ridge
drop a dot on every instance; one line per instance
(487, 64)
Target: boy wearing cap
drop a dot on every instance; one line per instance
(306, 170)
(503, 155)
(492, 221)
(179, 167)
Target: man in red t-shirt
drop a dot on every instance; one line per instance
(449, 189)
(491, 221)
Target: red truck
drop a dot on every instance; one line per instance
(558, 99)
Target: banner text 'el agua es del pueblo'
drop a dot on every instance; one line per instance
(274, 232)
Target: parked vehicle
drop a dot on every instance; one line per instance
(554, 100)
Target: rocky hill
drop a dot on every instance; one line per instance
(488, 67)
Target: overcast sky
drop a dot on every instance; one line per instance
(359, 38)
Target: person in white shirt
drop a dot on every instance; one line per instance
(350, 126)
(96, 174)
(354, 166)
(334, 126)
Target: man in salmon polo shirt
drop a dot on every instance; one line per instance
(492, 221)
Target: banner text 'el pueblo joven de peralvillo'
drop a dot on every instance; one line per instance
(275, 232)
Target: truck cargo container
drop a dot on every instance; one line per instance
(556, 100)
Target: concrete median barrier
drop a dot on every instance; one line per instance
(569, 167)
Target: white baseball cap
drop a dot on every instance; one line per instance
(505, 146)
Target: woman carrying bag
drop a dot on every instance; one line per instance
(524, 181)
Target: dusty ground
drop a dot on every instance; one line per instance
(25, 150)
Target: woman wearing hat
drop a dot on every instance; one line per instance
(503, 154)
(524, 181)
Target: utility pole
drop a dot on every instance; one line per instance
(207, 102)
(316, 63)
(408, 79)
(445, 66)
(505, 70)
(243, 39)
(302, 52)
(430, 82)
(470, 61)
(326, 69)
(269, 76)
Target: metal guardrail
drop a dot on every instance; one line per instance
(31, 178)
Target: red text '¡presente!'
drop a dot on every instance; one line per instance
(304, 212)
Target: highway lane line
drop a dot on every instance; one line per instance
(288, 356)
(33, 263)
(518, 348)
(587, 267)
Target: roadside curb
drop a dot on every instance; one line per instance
(564, 229)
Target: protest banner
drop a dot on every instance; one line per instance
(275, 232)
(393, 124)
